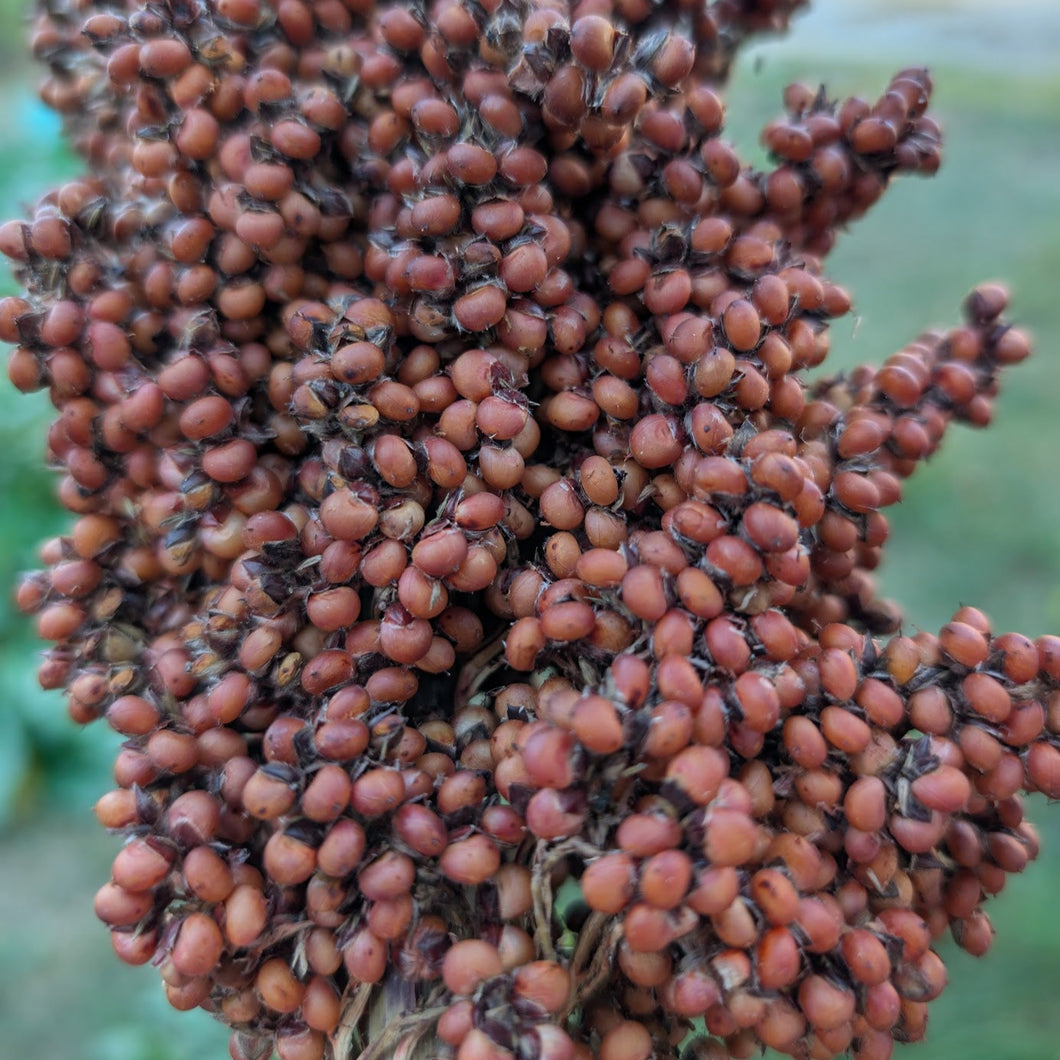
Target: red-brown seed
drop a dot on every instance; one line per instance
(656, 441)
(777, 959)
(377, 792)
(207, 874)
(758, 699)
(1043, 769)
(246, 913)
(592, 42)
(825, 1003)
(468, 963)
(609, 883)
(544, 983)
(626, 1040)
(946, 789)
(775, 896)
(470, 861)
(140, 865)
(769, 528)
(365, 957)
(964, 644)
(198, 946)
(866, 956)
(698, 772)
(342, 849)
(987, 697)
(389, 876)
(471, 164)
(665, 878)
(118, 907)
(845, 730)
(743, 327)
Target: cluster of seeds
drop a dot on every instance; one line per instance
(483, 595)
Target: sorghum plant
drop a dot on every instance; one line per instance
(483, 593)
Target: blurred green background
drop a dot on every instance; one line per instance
(980, 524)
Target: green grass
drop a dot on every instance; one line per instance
(978, 525)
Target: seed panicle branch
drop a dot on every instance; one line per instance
(483, 593)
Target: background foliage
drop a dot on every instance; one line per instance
(979, 525)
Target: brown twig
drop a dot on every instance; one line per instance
(541, 888)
